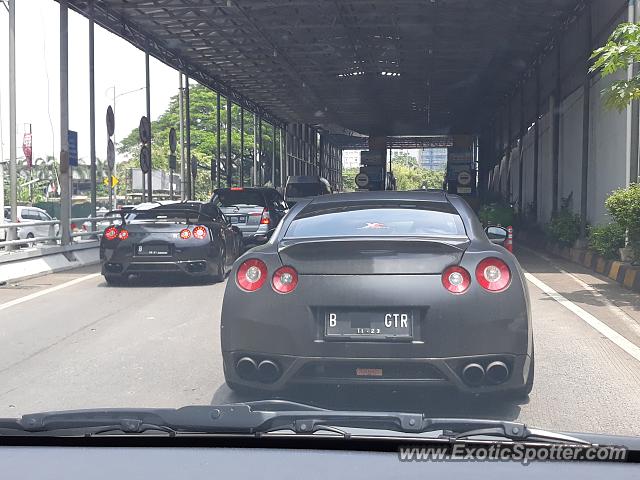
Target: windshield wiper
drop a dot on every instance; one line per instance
(262, 417)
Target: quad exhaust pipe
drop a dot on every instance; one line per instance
(266, 371)
(497, 372)
(473, 374)
(247, 368)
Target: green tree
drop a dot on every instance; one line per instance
(621, 50)
(403, 158)
(203, 139)
(349, 179)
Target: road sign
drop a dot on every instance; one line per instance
(362, 180)
(172, 140)
(194, 166)
(114, 181)
(111, 121)
(172, 162)
(145, 159)
(464, 178)
(73, 148)
(144, 130)
(111, 155)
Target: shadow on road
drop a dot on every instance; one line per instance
(164, 281)
(436, 403)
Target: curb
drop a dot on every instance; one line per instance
(622, 273)
(24, 268)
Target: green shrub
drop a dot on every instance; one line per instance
(624, 206)
(496, 214)
(564, 227)
(607, 239)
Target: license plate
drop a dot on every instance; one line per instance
(153, 250)
(369, 325)
(238, 219)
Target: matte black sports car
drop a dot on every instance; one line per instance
(193, 238)
(379, 287)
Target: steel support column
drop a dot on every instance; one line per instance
(13, 173)
(555, 151)
(273, 155)
(228, 127)
(508, 152)
(183, 169)
(92, 112)
(521, 206)
(536, 142)
(218, 149)
(254, 177)
(586, 115)
(241, 166)
(215, 159)
(187, 125)
(65, 173)
(633, 111)
(148, 95)
(260, 156)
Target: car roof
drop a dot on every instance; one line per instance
(304, 179)
(382, 195)
(243, 189)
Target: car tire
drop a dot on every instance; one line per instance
(115, 280)
(524, 391)
(242, 389)
(221, 273)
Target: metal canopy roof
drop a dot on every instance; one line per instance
(378, 67)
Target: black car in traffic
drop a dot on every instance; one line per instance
(191, 238)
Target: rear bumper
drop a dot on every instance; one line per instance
(194, 260)
(195, 267)
(424, 372)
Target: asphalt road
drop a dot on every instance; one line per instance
(69, 341)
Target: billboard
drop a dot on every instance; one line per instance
(160, 180)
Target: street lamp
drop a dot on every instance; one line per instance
(114, 97)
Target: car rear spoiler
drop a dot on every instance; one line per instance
(155, 212)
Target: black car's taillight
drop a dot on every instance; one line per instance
(111, 233)
(493, 274)
(251, 274)
(456, 279)
(284, 280)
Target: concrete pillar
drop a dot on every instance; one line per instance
(586, 115)
(65, 174)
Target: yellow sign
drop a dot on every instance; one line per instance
(114, 180)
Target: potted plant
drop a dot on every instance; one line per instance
(624, 206)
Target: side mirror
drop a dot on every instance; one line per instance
(496, 235)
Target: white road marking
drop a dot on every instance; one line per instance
(46, 291)
(598, 325)
(629, 322)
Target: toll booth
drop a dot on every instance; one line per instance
(462, 167)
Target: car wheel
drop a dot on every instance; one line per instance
(115, 280)
(524, 391)
(242, 389)
(221, 273)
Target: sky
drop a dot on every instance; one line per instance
(117, 63)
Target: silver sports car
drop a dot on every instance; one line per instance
(379, 287)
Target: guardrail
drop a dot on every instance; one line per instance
(53, 237)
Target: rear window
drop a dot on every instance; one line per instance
(304, 190)
(232, 198)
(368, 220)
